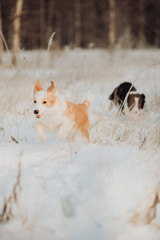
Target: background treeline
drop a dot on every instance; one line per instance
(83, 23)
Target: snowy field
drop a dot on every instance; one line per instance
(108, 189)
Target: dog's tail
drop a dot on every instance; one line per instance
(88, 100)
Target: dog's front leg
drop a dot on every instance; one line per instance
(64, 129)
(62, 132)
(110, 106)
(40, 131)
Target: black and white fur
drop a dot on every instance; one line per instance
(126, 98)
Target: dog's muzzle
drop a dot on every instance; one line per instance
(36, 112)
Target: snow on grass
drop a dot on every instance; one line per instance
(100, 193)
(109, 189)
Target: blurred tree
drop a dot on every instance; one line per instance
(157, 23)
(16, 33)
(123, 31)
(90, 24)
(142, 40)
(50, 18)
(82, 23)
(1, 40)
(42, 25)
(150, 20)
(58, 23)
(77, 23)
(112, 34)
(69, 23)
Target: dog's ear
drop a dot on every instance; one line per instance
(37, 86)
(52, 88)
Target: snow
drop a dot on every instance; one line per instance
(108, 189)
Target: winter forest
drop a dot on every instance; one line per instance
(82, 23)
(79, 119)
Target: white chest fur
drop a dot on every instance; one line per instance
(54, 120)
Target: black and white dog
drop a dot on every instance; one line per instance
(127, 99)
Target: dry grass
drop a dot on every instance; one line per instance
(112, 131)
(12, 199)
(75, 72)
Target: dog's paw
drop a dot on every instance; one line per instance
(43, 139)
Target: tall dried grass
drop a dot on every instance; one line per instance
(12, 200)
(75, 72)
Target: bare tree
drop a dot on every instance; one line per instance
(51, 10)
(58, 27)
(1, 41)
(70, 20)
(16, 33)
(80, 22)
(142, 41)
(157, 25)
(42, 24)
(112, 34)
(77, 20)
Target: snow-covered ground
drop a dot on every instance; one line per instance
(108, 189)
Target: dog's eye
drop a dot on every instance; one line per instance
(35, 101)
(44, 102)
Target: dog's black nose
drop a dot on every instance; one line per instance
(36, 111)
